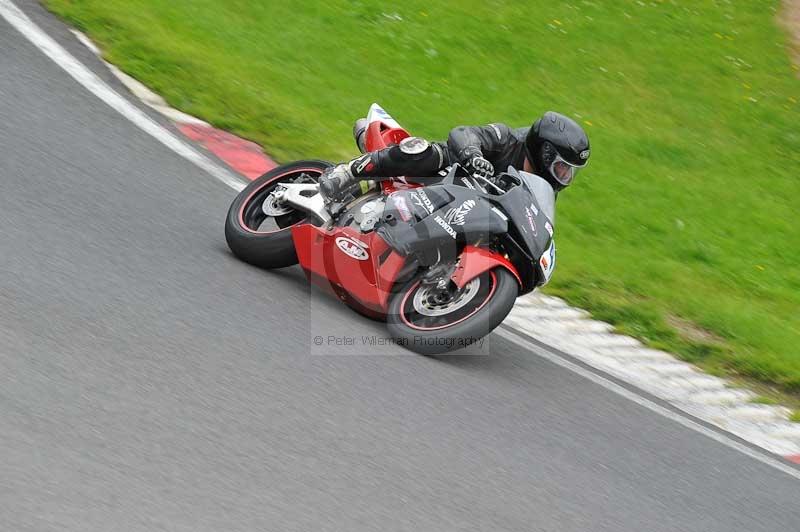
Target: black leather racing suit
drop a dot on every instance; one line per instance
(498, 143)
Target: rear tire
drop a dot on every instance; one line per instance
(273, 248)
(417, 327)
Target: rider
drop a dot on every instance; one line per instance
(555, 147)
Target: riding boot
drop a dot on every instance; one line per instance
(336, 182)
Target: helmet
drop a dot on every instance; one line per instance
(557, 147)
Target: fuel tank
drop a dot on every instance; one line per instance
(437, 220)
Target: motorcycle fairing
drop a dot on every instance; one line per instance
(378, 114)
(439, 220)
(474, 261)
(333, 266)
(541, 190)
(547, 262)
(382, 129)
(530, 208)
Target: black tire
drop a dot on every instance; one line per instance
(266, 249)
(501, 291)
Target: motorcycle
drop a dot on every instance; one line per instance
(441, 262)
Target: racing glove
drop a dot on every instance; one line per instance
(475, 162)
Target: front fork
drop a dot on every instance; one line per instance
(439, 275)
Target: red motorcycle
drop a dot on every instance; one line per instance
(441, 263)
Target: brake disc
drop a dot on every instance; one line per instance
(425, 304)
(273, 205)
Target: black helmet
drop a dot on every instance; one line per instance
(557, 147)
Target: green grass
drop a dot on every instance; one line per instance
(682, 231)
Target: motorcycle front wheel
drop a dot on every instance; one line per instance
(431, 321)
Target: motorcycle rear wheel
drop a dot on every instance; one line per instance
(246, 229)
(424, 322)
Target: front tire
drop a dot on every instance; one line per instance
(261, 240)
(430, 326)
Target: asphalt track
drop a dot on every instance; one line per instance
(149, 381)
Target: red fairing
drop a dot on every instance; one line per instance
(380, 135)
(356, 265)
(474, 261)
(393, 185)
(352, 264)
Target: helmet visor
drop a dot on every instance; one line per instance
(563, 171)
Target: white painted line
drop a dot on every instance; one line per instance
(83, 75)
(99, 88)
(646, 403)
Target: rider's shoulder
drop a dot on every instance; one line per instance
(503, 131)
(499, 130)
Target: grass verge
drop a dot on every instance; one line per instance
(682, 231)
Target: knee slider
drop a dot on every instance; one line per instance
(414, 147)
